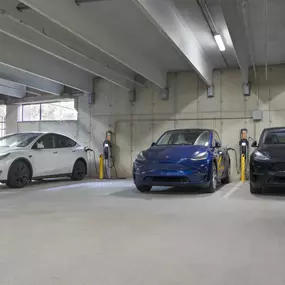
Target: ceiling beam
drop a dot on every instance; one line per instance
(12, 89)
(22, 56)
(55, 32)
(233, 17)
(37, 99)
(88, 1)
(69, 16)
(19, 30)
(168, 19)
(30, 80)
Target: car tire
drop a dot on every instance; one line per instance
(255, 190)
(79, 170)
(143, 188)
(19, 175)
(213, 180)
(227, 179)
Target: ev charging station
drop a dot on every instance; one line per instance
(106, 159)
(244, 154)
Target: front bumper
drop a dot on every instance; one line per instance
(172, 174)
(267, 173)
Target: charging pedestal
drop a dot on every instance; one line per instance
(244, 152)
(107, 153)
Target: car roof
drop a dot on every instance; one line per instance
(274, 128)
(31, 132)
(192, 129)
(40, 133)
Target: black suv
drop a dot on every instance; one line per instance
(267, 162)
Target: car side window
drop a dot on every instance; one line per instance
(63, 141)
(45, 142)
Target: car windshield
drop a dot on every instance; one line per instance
(18, 140)
(185, 137)
(274, 136)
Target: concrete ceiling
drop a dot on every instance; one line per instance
(127, 42)
(191, 12)
(268, 47)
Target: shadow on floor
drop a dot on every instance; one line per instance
(39, 184)
(272, 194)
(163, 192)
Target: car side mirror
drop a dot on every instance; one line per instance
(153, 144)
(38, 145)
(254, 144)
(217, 145)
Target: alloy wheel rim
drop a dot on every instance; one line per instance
(21, 175)
(80, 172)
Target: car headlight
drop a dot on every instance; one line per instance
(200, 155)
(141, 157)
(260, 156)
(3, 156)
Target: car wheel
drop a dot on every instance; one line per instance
(143, 188)
(79, 170)
(227, 179)
(254, 190)
(19, 175)
(213, 180)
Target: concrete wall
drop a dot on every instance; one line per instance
(11, 119)
(138, 124)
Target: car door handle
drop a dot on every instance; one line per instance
(55, 152)
(73, 151)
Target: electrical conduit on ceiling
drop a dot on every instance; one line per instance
(248, 34)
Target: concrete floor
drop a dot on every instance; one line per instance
(109, 234)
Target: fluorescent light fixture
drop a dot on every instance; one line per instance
(220, 42)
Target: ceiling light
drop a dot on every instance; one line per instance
(220, 42)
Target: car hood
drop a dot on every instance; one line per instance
(172, 153)
(6, 149)
(273, 151)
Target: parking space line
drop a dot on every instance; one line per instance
(232, 191)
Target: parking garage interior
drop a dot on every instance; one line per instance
(137, 69)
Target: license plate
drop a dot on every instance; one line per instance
(280, 167)
(169, 173)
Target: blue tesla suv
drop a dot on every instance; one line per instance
(187, 157)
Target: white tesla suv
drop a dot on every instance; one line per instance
(38, 155)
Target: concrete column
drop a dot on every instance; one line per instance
(11, 119)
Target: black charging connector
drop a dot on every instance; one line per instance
(87, 149)
(237, 167)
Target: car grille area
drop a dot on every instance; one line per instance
(167, 179)
(278, 167)
(277, 180)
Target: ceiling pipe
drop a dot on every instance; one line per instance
(265, 36)
(210, 21)
(21, 6)
(210, 17)
(248, 35)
